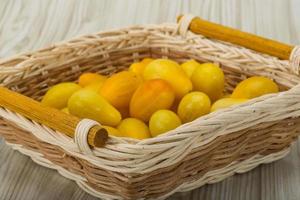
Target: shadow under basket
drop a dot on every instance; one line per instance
(207, 150)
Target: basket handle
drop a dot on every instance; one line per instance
(49, 117)
(248, 40)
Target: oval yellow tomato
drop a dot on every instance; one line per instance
(89, 78)
(88, 104)
(193, 105)
(226, 102)
(134, 128)
(162, 121)
(171, 72)
(58, 95)
(189, 67)
(209, 78)
(254, 87)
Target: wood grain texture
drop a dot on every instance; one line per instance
(235, 36)
(32, 24)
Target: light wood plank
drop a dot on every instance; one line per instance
(32, 24)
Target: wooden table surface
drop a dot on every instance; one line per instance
(32, 24)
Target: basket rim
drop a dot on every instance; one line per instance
(224, 116)
(173, 27)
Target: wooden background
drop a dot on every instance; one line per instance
(26, 25)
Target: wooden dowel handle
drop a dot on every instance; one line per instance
(248, 40)
(49, 117)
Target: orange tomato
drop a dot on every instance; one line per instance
(151, 96)
(119, 88)
(89, 78)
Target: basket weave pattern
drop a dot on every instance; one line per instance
(211, 148)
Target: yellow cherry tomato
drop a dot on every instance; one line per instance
(189, 67)
(209, 78)
(88, 104)
(226, 102)
(58, 95)
(254, 87)
(138, 68)
(89, 78)
(162, 121)
(171, 72)
(193, 105)
(134, 128)
(112, 131)
(146, 61)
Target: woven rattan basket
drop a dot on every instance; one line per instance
(207, 150)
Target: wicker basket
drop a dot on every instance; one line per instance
(207, 150)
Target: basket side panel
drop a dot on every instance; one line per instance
(264, 139)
